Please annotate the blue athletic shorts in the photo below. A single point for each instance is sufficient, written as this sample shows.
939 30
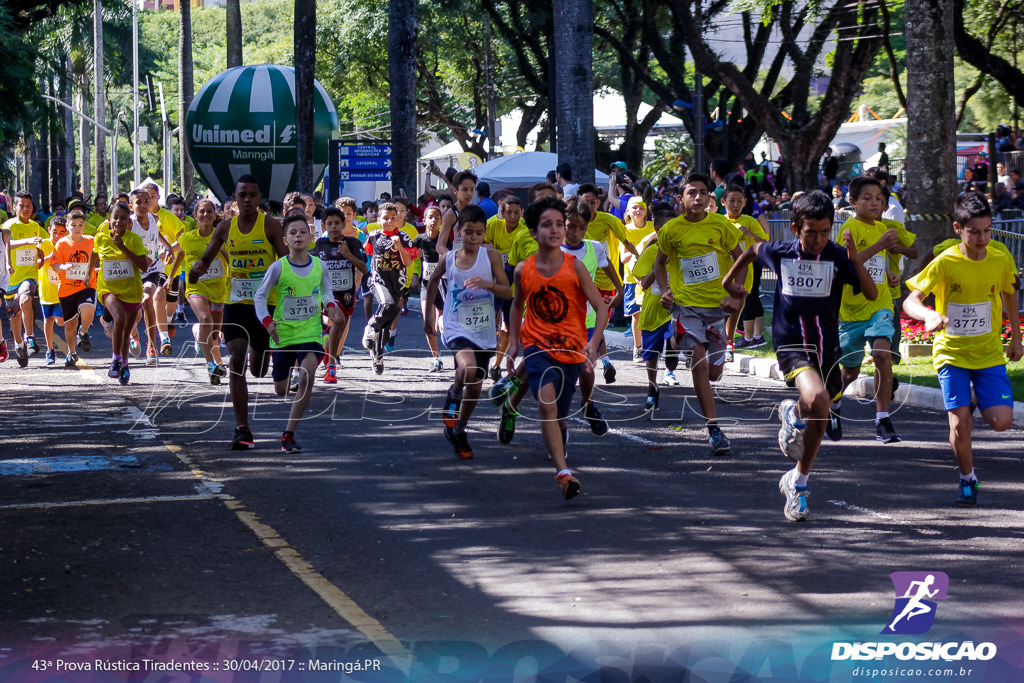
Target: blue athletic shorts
653 342
853 334
542 369
52 311
991 385
629 302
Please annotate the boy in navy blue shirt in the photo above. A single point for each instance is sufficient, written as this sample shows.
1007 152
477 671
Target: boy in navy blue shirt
811 273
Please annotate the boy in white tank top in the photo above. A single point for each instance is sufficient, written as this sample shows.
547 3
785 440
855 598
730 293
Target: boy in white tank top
475 276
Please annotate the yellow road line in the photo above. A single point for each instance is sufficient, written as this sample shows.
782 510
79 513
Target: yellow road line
334 597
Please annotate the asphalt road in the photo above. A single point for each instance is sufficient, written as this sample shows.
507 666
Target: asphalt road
131 532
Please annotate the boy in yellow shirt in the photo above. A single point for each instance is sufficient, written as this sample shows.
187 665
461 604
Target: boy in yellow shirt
862 320
23 255
694 251
973 286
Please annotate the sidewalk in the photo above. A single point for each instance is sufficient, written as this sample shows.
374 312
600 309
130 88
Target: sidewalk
928 398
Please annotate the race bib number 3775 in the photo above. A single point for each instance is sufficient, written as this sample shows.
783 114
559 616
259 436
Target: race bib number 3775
969 320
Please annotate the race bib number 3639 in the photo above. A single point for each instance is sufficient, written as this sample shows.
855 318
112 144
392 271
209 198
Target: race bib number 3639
700 269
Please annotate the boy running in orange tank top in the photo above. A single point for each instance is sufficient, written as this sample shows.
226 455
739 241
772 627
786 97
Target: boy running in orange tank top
554 289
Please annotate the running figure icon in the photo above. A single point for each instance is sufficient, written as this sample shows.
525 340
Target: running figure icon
917 594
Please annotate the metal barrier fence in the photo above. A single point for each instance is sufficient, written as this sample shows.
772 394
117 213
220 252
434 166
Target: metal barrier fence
1008 229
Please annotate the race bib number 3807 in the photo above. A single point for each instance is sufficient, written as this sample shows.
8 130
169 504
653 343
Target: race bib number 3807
806 278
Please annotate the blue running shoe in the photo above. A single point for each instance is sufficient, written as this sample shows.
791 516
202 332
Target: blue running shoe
967 496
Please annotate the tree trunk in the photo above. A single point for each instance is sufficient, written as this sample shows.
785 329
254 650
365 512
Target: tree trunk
931 131
402 77
305 65
186 90
84 136
54 164
574 87
35 170
98 106
69 137
234 31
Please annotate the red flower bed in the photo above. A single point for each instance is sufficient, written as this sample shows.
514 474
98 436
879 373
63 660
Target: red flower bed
914 332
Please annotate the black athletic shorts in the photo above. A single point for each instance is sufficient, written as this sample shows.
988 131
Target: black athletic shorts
69 304
240 322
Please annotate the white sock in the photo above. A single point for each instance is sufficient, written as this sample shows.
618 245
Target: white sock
969 477
798 478
565 471
604 359
880 416
835 406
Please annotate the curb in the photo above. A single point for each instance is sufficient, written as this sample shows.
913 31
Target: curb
928 398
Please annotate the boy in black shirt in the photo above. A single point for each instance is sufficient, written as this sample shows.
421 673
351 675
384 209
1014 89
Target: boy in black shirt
426 242
392 253
805 329
343 257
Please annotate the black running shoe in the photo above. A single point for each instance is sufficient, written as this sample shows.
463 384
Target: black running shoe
598 425
84 342
834 428
21 353
507 423
885 433
289 444
125 375
609 373
451 409
243 440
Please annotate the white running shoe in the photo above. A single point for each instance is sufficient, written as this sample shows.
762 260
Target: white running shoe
791 433
795 508
369 338
670 379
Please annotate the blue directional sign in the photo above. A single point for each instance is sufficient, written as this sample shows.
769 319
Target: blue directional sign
365 162
354 176
357 161
363 149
